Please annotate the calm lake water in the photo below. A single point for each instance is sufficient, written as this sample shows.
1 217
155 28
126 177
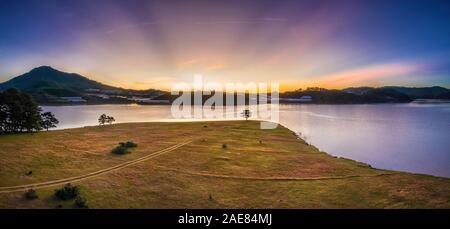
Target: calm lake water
406 137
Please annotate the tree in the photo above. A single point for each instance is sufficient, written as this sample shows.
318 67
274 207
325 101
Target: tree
102 119
48 120
18 112
67 192
110 119
3 116
246 114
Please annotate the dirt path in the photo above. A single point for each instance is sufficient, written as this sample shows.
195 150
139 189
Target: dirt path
271 178
89 175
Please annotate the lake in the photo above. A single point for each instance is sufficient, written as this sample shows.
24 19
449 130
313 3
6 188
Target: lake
406 137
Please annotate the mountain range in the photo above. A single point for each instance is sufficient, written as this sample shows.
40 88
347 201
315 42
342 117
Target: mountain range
50 86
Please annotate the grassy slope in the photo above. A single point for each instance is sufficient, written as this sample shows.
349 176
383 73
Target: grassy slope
187 177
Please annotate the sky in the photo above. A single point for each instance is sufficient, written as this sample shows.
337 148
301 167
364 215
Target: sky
152 44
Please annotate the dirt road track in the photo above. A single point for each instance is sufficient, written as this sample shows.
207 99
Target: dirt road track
89 175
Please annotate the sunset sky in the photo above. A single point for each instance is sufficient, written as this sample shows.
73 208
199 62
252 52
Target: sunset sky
152 44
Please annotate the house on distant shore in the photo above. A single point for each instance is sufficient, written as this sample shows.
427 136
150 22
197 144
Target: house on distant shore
305 98
74 99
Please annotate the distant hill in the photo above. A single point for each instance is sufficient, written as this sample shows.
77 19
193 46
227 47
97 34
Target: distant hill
421 92
413 92
355 95
45 77
48 85
324 96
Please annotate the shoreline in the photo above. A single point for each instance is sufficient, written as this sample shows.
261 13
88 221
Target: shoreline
239 120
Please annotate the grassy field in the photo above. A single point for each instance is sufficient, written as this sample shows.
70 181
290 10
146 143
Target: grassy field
229 164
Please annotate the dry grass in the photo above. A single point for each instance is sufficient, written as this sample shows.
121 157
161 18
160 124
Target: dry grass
187 176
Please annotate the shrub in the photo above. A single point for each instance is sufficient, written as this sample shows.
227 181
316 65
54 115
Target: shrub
81 202
120 150
31 194
128 144
67 192
123 147
224 146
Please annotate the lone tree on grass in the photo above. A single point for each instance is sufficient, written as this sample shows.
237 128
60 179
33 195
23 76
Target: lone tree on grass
246 114
105 119
102 119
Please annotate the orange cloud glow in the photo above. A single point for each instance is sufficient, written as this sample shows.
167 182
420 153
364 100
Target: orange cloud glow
364 75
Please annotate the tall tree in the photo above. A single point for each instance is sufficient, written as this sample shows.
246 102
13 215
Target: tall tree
18 112
3 116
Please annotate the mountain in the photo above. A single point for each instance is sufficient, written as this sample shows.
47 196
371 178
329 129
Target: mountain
47 77
364 95
388 94
421 92
413 92
357 90
48 85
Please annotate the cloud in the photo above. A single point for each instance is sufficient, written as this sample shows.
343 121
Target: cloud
130 26
186 63
161 82
366 74
273 19
227 22
245 21
216 67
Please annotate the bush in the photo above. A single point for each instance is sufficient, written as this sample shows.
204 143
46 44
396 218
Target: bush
67 192
224 146
31 194
123 147
128 144
120 150
81 202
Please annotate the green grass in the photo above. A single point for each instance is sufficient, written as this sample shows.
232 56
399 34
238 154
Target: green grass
237 176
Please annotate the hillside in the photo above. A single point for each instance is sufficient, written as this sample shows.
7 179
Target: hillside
362 95
413 92
48 85
228 164
324 96
45 77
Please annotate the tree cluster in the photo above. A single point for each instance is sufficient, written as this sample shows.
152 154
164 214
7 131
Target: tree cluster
20 113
